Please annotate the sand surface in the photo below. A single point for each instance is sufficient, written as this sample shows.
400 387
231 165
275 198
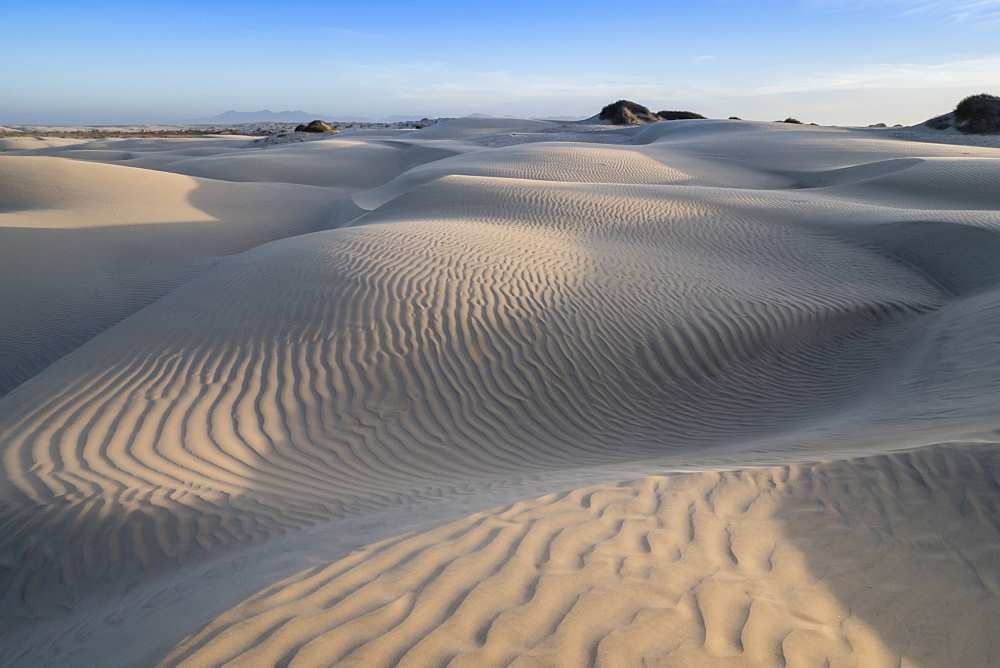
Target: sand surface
501 391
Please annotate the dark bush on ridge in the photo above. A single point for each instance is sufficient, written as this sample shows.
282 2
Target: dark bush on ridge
316 126
792 120
677 115
975 115
942 122
626 112
978 114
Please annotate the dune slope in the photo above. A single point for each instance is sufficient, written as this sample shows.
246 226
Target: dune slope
498 325
84 245
772 566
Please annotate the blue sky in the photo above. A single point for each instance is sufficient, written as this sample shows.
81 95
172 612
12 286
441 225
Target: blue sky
825 61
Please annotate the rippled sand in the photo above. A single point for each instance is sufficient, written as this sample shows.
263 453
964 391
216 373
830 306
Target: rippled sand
696 393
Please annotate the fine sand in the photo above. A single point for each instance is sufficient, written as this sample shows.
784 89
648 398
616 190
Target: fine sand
501 391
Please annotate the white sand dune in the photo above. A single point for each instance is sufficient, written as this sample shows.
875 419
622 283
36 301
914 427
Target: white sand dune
471 126
572 163
495 325
85 245
754 567
37 143
71 147
346 165
928 183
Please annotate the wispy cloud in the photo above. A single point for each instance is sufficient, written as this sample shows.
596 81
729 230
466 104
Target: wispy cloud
958 11
957 74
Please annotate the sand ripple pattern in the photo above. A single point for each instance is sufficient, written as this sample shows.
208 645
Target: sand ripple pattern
84 246
584 325
732 568
517 314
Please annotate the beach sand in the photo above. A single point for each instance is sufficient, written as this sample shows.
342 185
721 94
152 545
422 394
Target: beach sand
501 391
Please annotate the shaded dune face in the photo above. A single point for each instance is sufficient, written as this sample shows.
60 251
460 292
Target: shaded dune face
575 163
85 245
496 320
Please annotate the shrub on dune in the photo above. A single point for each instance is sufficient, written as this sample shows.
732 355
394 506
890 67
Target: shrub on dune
978 114
626 112
316 126
975 115
942 122
677 115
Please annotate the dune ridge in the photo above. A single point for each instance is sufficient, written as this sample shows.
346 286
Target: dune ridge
508 321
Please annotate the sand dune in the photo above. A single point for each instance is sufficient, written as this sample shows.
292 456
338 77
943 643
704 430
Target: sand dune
501 322
774 566
463 128
346 165
36 143
84 245
930 183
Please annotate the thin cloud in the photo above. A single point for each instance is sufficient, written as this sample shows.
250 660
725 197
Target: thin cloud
957 11
975 73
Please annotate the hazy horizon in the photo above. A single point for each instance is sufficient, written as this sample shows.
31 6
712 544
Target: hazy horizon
847 62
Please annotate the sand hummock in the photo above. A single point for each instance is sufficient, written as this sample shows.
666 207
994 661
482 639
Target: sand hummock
501 392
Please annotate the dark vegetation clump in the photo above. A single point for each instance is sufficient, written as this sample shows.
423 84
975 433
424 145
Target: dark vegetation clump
626 112
735 118
975 115
678 115
315 126
978 115
792 120
942 122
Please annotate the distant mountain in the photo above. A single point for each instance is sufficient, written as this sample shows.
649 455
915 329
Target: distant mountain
268 116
